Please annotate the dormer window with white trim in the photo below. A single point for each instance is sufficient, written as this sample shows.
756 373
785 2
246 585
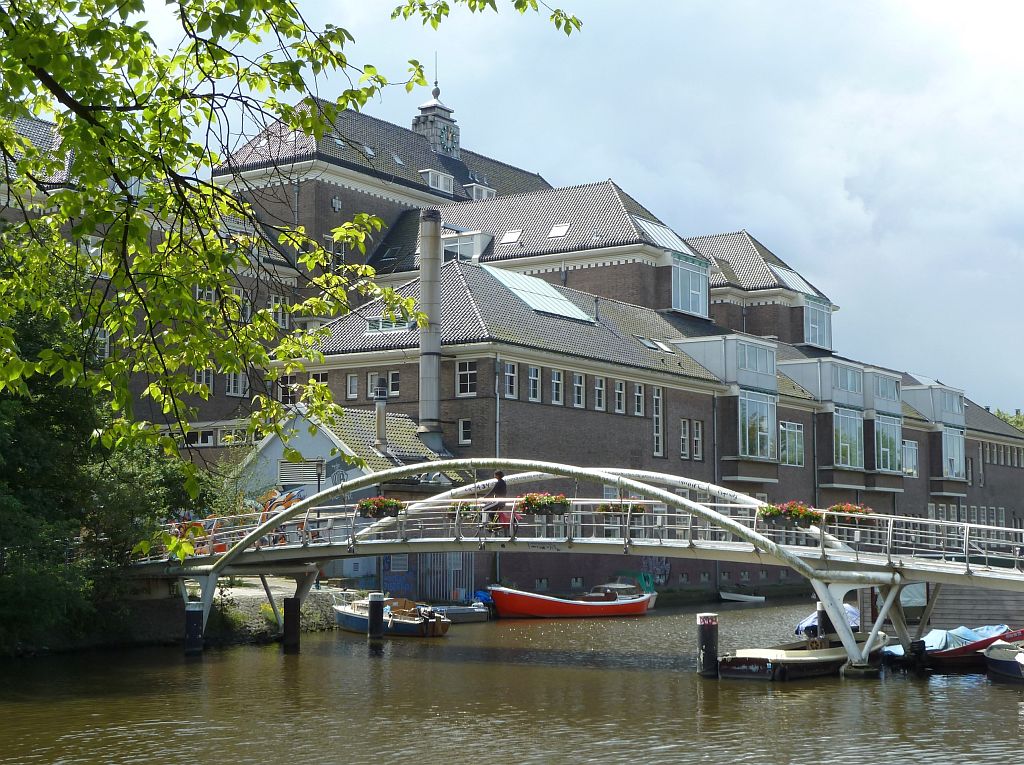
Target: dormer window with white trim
437 180
385 324
690 284
952 402
478 192
459 247
847 378
755 358
887 388
818 323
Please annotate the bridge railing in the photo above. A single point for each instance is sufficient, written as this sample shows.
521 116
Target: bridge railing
629 521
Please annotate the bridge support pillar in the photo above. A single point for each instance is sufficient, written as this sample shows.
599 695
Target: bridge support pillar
707 645
290 641
193 629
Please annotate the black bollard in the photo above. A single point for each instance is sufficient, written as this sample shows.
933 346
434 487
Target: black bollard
290 640
375 624
193 629
707 645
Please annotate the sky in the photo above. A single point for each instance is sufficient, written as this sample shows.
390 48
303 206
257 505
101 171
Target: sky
875 147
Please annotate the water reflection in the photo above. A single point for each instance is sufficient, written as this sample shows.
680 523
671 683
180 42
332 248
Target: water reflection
506 692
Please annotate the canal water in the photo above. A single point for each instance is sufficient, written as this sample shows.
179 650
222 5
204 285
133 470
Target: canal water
602 691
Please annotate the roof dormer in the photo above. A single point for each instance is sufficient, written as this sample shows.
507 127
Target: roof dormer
438 180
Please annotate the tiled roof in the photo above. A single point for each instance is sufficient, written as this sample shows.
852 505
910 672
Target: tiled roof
597 215
358 430
382 149
477 307
980 419
743 262
910 413
43 136
789 387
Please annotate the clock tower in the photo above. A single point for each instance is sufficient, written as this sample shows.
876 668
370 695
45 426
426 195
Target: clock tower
435 122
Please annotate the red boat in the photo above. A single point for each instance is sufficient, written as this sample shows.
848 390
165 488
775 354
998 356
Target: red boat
517 604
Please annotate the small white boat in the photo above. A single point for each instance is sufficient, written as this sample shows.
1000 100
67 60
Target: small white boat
474 612
401 618
740 597
795 661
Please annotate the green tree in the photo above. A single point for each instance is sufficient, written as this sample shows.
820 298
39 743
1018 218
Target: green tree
138 130
1017 420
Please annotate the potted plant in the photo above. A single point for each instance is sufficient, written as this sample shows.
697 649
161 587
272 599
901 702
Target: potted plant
378 507
791 513
620 508
543 503
854 513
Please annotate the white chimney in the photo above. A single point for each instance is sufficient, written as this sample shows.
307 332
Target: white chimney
430 336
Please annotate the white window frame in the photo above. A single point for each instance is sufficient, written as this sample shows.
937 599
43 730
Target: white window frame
103 346
689 285
848 438
287 390
620 397
236 384
533 383
465 426
638 399
579 390
791 444
599 391
888 457
755 358
953 453
278 310
201 438
684 439
394 383
465 379
557 386
244 304
658 420
204 377
697 430
459 247
757 414
887 388
847 378
439 181
818 323
351 386
511 379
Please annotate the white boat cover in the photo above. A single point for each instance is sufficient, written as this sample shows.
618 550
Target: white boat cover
943 640
852 618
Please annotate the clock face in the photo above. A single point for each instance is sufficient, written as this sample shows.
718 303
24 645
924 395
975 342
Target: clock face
447 138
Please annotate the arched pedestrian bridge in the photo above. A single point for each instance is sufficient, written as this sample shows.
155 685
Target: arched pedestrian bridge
838 553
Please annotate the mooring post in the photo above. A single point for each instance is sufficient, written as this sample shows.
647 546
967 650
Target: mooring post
824 623
375 623
707 645
193 628
291 625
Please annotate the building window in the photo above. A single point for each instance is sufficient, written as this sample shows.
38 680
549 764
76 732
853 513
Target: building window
576 583
818 323
459 247
384 324
848 437
556 386
103 346
205 294
352 386
952 402
847 378
755 358
910 459
244 304
279 310
620 397
375 383
658 421
698 439
888 443
465 432
540 584
199 438
599 394
465 378
400 563
204 377
638 399
953 453
232 436
988 453
579 393
887 388
757 425
236 384
440 181
684 439
287 389
689 285
533 376
394 378
511 380
791 444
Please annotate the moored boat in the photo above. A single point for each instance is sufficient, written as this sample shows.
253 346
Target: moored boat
461 614
603 600
1005 661
794 661
956 650
740 597
401 618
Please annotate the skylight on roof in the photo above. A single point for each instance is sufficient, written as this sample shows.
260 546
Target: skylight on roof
662 236
793 280
398 160
558 230
511 237
538 294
